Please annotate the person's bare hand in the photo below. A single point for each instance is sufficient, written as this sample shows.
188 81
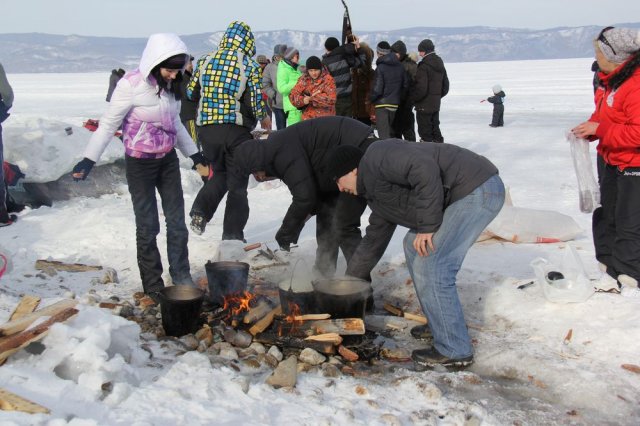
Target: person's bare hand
423 243
586 129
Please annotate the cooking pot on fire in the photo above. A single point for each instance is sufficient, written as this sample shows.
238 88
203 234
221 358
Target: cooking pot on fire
344 297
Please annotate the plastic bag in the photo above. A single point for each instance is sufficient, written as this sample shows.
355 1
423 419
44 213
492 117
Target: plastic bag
521 225
589 192
565 284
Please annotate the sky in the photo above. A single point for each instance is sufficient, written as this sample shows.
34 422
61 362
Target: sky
139 18
537 362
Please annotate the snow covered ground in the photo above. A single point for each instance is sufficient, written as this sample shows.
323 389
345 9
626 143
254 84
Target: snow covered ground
526 370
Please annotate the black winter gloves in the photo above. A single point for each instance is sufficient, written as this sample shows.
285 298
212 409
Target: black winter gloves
198 158
82 169
283 241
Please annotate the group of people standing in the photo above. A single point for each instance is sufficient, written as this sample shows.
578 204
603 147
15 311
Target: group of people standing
328 155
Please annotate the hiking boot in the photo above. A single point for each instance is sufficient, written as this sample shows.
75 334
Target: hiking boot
198 223
155 296
431 358
8 220
422 332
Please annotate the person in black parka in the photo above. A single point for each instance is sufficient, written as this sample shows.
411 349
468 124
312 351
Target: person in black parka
404 123
498 106
389 87
114 78
297 155
430 86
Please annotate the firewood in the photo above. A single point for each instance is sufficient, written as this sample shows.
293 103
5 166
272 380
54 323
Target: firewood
311 317
22 323
631 367
333 338
271 338
18 341
259 311
341 326
68 267
26 305
252 246
269 265
399 312
12 402
347 354
265 321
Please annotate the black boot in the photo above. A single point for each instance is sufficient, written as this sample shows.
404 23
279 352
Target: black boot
430 358
422 332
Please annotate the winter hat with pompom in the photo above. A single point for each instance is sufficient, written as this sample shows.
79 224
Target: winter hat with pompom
618 44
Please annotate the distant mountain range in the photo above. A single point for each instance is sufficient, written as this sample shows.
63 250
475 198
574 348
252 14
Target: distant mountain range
37 52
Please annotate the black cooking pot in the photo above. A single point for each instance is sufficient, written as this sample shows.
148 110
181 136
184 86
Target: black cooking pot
342 297
225 278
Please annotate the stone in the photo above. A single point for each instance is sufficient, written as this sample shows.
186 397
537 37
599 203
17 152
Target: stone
330 370
110 276
258 347
275 352
190 342
312 357
242 339
285 375
271 360
228 353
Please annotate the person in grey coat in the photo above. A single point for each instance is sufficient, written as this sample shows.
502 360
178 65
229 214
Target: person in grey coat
270 88
446 195
6 101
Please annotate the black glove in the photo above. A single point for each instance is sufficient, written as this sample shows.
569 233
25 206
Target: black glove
283 241
82 169
198 158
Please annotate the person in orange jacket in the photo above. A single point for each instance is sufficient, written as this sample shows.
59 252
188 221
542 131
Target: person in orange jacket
315 91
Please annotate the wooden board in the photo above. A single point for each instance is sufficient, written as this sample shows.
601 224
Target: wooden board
12 402
25 321
26 305
68 267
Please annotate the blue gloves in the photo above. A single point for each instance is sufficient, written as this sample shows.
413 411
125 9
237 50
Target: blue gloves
82 169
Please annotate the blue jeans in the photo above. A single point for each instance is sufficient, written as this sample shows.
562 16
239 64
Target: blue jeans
434 276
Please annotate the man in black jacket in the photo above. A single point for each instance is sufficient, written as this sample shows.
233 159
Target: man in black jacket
297 155
446 196
404 123
389 87
430 86
340 60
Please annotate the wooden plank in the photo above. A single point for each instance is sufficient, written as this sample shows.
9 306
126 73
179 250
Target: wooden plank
26 305
311 317
12 402
14 343
22 323
259 311
399 312
265 321
333 338
68 267
341 326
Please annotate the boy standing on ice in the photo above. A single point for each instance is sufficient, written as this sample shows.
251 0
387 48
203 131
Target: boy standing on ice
446 196
498 106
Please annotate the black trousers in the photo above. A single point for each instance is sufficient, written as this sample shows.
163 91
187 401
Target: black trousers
429 126
218 143
144 177
344 107
616 225
497 119
384 122
337 227
404 123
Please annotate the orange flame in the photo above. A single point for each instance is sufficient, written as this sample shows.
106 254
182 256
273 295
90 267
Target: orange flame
237 303
294 311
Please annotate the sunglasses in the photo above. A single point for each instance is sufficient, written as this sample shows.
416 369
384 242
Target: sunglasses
603 39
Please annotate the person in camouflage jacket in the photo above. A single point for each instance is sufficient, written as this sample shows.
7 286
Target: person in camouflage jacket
315 91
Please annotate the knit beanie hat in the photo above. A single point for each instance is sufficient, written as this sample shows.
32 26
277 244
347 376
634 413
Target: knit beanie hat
290 52
279 49
383 48
496 89
400 48
331 43
262 59
618 44
314 63
175 62
426 46
342 160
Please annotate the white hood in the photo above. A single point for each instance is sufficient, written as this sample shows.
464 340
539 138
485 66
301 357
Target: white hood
160 47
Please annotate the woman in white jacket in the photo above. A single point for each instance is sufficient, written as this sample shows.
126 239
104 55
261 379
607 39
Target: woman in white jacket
147 104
